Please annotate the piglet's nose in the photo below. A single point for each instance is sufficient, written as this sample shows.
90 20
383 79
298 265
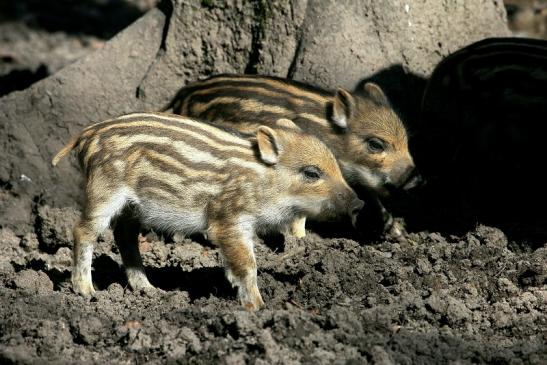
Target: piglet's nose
413 180
354 209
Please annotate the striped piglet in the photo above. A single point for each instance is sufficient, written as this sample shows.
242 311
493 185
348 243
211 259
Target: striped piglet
176 174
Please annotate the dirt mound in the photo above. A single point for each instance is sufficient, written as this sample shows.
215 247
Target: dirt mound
430 299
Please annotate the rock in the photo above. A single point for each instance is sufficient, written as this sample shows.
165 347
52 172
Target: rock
140 342
53 334
423 266
18 354
15 207
501 316
12 254
435 303
115 290
454 309
366 38
322 357
235 358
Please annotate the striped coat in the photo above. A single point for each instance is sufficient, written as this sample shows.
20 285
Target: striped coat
363 131
177 174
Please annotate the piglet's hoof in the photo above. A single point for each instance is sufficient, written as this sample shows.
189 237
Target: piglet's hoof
83 287
252 303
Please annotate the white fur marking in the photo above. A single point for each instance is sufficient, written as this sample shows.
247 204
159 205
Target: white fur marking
217 131
114 206
361 174
341 121
169 219
246 225
191 153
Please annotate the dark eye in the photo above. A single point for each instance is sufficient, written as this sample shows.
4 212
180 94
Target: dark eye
375 145
311 173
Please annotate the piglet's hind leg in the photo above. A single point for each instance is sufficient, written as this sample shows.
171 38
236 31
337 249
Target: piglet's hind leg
126 235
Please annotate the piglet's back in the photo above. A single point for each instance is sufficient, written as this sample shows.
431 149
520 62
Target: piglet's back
171 143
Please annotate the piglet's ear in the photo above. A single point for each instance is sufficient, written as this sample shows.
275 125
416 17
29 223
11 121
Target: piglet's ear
268 145
342 108
375 92
287 123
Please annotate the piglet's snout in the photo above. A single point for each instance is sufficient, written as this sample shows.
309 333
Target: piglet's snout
413 179
354 209
351 203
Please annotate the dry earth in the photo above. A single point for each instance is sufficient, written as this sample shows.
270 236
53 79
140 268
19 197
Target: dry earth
478 298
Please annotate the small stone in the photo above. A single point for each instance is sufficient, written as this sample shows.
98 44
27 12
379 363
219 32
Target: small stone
89 330
235 358
141 341
62 260
178 298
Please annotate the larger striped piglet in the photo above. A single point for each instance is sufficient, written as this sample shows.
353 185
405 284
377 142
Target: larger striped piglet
176 174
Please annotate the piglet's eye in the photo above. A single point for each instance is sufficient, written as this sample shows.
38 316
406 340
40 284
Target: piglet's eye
311 173
375 145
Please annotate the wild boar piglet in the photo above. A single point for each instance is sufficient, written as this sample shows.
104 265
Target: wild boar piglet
176 174
361 128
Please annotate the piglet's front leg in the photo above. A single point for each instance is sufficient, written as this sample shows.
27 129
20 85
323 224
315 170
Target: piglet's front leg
236 240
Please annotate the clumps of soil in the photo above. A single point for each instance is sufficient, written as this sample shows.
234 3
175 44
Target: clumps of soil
54 227
424 299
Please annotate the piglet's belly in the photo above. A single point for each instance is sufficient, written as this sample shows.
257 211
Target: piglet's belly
167 218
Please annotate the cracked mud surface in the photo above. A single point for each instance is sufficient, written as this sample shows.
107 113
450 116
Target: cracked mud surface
426 299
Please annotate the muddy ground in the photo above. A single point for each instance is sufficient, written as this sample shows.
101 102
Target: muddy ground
478 298
475 297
